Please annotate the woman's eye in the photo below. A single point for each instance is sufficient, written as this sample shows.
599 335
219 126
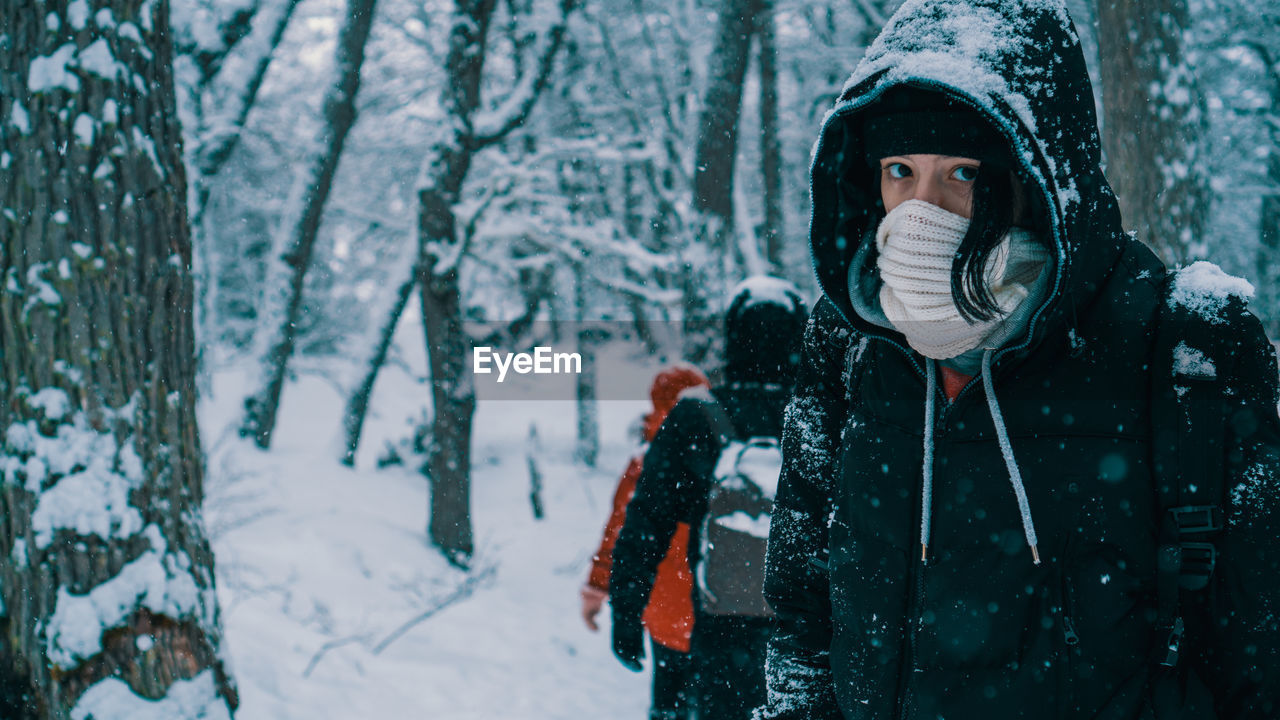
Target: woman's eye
965 173
897 170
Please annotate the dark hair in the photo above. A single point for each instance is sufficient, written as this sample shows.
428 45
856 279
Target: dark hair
991 217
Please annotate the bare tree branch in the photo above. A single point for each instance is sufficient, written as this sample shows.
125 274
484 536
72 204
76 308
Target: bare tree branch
463 591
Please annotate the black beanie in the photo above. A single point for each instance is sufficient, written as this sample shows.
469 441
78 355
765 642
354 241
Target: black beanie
764 325
909 121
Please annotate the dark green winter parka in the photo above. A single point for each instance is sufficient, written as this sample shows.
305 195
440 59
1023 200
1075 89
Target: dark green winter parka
870 631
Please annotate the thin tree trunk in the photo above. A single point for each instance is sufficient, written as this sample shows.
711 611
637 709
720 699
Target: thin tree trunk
358 404
588 440
211 151
106 576
442 249
722 103
706 270
531 452
262 407
770 146
1269 237
454 403
448 347
1269 213
1149 92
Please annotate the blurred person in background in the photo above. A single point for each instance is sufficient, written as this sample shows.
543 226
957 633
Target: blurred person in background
668 615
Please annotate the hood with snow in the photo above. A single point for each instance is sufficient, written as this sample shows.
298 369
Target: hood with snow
1017 62
763 327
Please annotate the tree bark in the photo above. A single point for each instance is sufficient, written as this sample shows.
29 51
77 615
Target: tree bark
106 576
285 298
442 248
770 145
706 262
1149 92
448 347
721 106
1268 261
1269 237
587 449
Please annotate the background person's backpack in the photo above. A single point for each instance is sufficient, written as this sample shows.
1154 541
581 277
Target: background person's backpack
735 530
1193 363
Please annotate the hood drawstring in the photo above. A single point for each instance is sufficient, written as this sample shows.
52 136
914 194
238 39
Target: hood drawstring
1015 475
1006 450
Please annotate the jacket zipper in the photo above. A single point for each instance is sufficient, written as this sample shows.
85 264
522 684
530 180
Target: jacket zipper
915 609
1070 638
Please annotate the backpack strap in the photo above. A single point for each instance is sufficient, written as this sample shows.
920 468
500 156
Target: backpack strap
1188 413
721 425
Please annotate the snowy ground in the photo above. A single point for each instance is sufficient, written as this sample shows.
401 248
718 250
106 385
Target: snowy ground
318 565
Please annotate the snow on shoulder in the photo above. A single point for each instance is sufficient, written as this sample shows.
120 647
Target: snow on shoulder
765 289
1204 289
1190 362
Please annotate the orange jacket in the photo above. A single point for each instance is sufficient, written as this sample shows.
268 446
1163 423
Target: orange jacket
669 614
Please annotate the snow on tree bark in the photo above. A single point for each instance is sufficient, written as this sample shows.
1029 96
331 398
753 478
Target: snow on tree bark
770 145
285 288
587 448
467 130
106 574
1149 92
713 186
212 140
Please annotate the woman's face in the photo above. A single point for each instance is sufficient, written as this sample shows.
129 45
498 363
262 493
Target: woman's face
942 180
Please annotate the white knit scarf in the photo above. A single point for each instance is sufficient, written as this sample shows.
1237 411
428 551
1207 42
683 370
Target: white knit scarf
917 244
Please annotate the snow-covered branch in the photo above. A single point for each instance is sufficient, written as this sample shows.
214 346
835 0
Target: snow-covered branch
448 256
224 133
491 127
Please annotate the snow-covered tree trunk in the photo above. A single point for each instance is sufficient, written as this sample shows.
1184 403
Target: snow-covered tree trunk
587 449
1154 124
106 575
212 140
288 279
770 145
707 262
358 403
448 346
721 106
442 247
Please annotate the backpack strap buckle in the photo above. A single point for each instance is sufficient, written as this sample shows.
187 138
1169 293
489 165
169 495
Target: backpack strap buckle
1198 561
1194 519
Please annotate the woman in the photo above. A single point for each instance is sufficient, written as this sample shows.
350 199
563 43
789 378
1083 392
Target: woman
974 518
668 615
